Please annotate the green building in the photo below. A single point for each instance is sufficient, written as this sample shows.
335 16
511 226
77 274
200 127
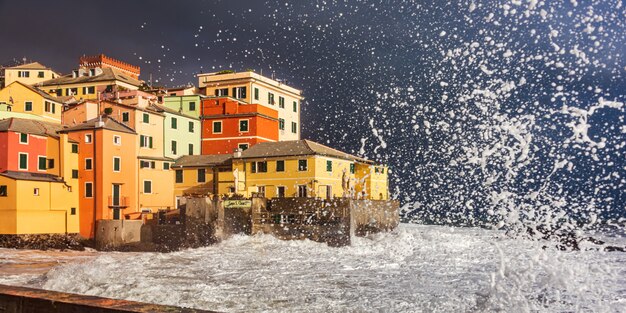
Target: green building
188 105
182 133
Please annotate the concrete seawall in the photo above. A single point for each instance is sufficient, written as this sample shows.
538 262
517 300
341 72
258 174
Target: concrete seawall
29 300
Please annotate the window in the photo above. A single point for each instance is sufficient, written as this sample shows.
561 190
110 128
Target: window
74 148
23 74
117 164
147 164
280 165
217 127
47 106
117 140
191 127
239 92
36 191
73 211
147 186
50 163
223 92
41 165
295 106
179 176
28 106
281 102
3 190
243 146
92 72
59 92
71 91
88 164
88 190
74 174
281 123
201 175
174 150
256 93
259 167
190 149
23 161
329 165
303 165
174 123
87 138
280 191
40 74
166 165
192 105
270 98
352 168
145 141
125 117
261 190
243 126
294 127
231 189
146 118
23 138
302 191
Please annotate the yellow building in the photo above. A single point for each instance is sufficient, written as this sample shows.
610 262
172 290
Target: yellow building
22 98
29 73
303 168
202 175
298 168
38 189
251 87
88 83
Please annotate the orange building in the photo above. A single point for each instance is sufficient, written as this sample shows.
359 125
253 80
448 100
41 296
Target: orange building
107 171
228 124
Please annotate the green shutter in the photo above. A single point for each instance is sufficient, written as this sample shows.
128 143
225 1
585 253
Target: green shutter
42 163
329 166
150 142
295 106
179 176
74 148
23 161
352 168
174 123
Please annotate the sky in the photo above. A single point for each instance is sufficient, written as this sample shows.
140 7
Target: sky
438 90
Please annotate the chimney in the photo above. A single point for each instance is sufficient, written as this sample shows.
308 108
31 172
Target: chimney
99 123
237 153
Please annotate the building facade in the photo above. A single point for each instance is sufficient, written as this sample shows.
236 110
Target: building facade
251 88
28 73
22 98
229 124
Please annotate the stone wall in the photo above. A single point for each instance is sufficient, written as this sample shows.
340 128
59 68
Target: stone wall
112 234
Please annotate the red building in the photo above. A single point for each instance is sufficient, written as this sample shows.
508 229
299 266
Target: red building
228 124
23 145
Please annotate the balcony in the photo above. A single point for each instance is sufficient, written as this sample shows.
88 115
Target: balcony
118 203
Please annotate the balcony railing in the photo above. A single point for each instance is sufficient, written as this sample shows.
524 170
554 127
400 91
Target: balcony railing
119 203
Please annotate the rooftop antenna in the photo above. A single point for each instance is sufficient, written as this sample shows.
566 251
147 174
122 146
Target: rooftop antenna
24 60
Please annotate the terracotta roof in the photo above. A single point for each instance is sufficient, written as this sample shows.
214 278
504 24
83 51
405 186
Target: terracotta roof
296 148
32 176
108 74
39 92
201 189
30 126
30 66
109 123
203 160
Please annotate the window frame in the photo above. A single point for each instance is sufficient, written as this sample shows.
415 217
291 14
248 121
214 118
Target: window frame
282 169
117 140
45 163
145 118
173 123
203 176
19 161
74 145
192 127
4 190
28 104
329 166
119 164
247 121
143 188
88 138
306 165
192 105
90 168
213 127
182 176
125 117
243 144
88 191
27 138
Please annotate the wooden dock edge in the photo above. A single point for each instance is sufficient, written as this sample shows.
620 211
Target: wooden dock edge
26 300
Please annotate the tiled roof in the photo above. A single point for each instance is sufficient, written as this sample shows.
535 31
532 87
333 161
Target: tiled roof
296 148
39 92
108 74
30 66
203 160
108 123
30 126
32 176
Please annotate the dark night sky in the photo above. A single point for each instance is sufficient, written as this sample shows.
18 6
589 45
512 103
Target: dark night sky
388 77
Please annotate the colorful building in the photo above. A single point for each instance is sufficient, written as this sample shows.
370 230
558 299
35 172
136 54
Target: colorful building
188 104
28 73
251 87
107 170
181 133
38 191
96 75
203 175
229 124
22 98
